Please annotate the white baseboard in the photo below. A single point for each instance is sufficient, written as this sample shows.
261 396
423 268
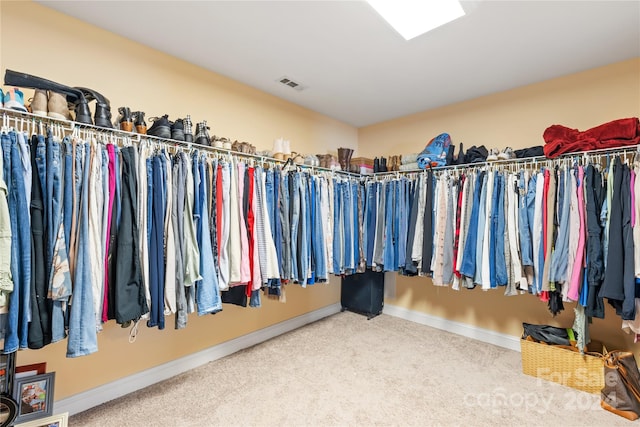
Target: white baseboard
503 340
96 396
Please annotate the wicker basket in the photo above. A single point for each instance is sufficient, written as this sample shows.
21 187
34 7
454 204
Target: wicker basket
566 367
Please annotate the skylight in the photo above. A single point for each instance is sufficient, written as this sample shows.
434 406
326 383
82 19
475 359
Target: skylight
412 18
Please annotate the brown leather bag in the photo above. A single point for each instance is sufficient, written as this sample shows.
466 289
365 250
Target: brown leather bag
621 392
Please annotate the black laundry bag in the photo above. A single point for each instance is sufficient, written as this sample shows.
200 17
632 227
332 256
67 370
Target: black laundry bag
549 334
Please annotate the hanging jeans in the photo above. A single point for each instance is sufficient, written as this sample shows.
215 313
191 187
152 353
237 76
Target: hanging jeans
390 211
83 338
18 316
337 220
468 266
207 291
502 277
370 221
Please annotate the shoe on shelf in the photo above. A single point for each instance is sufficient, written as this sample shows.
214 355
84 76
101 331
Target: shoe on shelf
188 129
236 146
38 104
161 127
57 106
202 134
102 114
506 154
14 100
177 130
139 123
126 119
493 155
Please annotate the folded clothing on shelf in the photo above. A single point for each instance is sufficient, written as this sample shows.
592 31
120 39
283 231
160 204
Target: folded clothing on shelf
617 133
409 166
529 152
409 158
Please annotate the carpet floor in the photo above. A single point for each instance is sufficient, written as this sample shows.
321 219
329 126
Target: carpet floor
347 370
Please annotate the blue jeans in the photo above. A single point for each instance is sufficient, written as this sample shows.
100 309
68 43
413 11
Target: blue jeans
526 207
68 190
337 218
83 338
304 230
559 259
355 196
468 265
54 193
371 210
294 186
56 211
19 305
502 278
347 226
482 218
387 256
208 289
493 227
269 196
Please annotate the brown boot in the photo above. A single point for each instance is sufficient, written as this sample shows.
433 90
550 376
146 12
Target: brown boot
343 158
126 119
139 123
349 154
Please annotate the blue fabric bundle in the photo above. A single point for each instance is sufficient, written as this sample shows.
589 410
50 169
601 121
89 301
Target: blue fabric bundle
435 152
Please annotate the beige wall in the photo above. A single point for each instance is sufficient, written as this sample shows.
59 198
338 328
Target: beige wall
515 118
40 41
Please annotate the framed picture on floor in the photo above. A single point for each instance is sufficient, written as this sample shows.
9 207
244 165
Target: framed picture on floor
60 420
34 395
29 370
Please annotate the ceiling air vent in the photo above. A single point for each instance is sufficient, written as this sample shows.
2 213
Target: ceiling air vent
292 84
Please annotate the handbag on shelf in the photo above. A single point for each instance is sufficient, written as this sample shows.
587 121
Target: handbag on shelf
621 392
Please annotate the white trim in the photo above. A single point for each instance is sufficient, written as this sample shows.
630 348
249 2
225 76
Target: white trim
101 394
486 335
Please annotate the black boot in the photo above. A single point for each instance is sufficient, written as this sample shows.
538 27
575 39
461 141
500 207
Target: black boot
126 120
376 165
449 157
461 160
102 115
383 164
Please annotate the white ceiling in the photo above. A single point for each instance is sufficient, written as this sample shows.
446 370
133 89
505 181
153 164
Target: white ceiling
356 67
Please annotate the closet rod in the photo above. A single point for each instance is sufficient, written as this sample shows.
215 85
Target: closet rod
567 156
8 113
